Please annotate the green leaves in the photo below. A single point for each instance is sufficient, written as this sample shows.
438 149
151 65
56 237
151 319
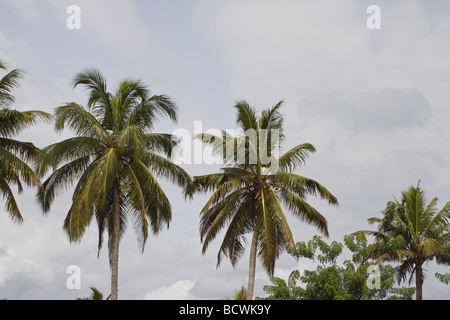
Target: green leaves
15 154
308 250
282 290
9 82
411 225
411 232
13 122
113 152
334 280
250 195
295 157
444 278
79 120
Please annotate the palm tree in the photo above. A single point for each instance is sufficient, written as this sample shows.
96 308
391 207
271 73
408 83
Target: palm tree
240 294
251 188
114 156
412 232
95 295
15 154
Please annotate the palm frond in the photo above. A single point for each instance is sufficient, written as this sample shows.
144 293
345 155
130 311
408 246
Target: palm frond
79 120
163 106
13 122
303 186
439 222
284 228
271 118
267 235
246 116
9 82
66 151
63 177
134 191
234 239
11 206
17 166
159 210
166 168
25 150
295 157
304 211
161 142
215 217
205 183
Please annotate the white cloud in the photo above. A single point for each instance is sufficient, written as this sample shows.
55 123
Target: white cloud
23 262
179 290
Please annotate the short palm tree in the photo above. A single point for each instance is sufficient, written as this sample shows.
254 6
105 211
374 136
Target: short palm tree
240 294
15 154
95 295
114 157
412 232
251 188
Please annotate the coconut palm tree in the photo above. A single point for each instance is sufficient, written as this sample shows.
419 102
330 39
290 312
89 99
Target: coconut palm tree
251 189
240 294
115 160
95 295
412 232
15 154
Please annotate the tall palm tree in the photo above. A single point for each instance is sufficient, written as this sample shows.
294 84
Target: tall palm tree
412 232
15 154
251 188
114 157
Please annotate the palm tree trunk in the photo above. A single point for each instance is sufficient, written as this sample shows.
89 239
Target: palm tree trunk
419 282
252 266
115 237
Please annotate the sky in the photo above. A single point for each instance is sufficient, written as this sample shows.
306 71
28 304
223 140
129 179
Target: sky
373 102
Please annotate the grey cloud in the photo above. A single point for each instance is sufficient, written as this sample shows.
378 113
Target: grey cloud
371 144
383 110
3 250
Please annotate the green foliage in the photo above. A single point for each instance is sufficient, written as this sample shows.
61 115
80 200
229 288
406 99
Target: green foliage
411 232
444 278
9 82
284 290
113 150
249 195
402 293
114 160
329 252
240 294
330 281
95 295
14 154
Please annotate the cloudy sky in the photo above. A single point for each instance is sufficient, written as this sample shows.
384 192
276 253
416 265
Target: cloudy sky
374 103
